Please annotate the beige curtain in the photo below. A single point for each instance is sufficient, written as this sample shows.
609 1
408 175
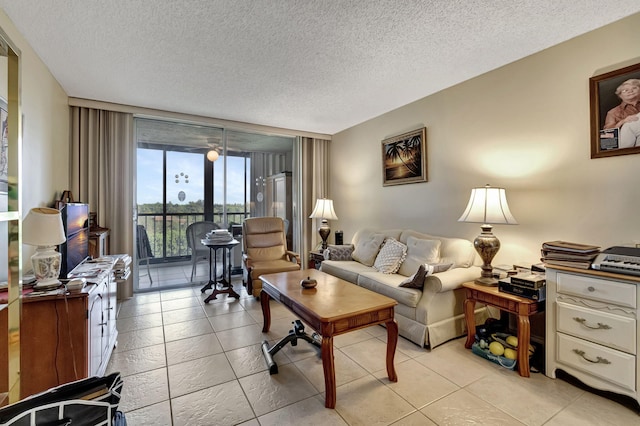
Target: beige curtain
314 185
102 155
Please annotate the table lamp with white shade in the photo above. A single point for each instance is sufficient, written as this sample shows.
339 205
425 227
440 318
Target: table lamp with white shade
43 228
487 206
324 210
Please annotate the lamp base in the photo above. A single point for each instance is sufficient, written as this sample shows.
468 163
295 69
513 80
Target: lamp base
489 282
324 232
46 267
47 284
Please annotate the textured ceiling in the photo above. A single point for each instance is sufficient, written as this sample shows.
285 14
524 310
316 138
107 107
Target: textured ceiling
317 66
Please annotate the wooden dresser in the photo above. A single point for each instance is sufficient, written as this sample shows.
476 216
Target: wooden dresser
592 328
68 337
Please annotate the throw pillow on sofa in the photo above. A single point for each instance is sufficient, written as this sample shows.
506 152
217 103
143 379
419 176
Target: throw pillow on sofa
338 252
366 249
390 256
419 251
417 280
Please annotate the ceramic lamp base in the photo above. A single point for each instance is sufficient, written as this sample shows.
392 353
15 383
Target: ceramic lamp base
46 267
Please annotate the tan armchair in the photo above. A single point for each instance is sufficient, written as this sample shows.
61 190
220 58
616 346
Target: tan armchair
264 248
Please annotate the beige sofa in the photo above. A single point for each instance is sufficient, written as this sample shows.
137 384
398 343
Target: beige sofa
429 316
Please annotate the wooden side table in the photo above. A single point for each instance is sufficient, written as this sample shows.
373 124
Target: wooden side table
511 303
315 259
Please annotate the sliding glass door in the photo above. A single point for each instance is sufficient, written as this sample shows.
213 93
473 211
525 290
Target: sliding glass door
188 173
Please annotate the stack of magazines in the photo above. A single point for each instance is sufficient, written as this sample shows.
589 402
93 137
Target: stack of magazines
574 255
218 236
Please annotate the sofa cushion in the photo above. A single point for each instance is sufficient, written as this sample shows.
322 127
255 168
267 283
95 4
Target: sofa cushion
417 280
338 252
366 249
347 270
458 251
390 256
419 252
389 285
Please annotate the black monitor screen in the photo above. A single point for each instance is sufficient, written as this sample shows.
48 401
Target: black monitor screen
75 218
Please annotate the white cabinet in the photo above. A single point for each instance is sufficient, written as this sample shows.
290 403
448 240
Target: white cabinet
592 329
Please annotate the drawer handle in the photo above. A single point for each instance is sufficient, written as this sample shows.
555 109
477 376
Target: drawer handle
600 326
591 289
599 360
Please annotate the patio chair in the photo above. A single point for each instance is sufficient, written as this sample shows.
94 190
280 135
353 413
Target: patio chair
196 232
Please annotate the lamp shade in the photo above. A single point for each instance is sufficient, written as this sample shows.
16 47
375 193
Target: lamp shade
488 205
324 210
43 227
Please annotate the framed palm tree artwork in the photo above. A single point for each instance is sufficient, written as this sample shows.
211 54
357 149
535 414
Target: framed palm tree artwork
404 158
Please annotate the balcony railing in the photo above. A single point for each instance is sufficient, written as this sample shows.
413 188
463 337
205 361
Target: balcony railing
176 247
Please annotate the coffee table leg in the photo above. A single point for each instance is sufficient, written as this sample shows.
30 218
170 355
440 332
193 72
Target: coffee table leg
329 372
470 318
524 333
266 312
392 342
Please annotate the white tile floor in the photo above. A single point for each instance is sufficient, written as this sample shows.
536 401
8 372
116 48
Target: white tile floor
187 363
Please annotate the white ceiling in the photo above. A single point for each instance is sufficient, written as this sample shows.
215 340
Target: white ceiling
317 66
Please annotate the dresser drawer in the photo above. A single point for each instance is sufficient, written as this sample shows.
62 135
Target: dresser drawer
597 289
600 327
607 364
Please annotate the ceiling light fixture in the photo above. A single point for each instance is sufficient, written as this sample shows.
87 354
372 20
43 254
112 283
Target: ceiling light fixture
212 155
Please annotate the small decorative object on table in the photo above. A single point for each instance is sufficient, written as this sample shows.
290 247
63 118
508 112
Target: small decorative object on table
76 284
308 282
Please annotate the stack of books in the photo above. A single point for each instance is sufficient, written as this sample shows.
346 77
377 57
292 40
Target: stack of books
574 255
121 269
529 285
218 236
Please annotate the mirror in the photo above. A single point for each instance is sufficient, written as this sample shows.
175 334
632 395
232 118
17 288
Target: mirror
10 240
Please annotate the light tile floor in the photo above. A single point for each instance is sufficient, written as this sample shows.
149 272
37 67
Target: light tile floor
187 363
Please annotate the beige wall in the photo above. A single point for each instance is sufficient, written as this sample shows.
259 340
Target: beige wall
45 133
524 127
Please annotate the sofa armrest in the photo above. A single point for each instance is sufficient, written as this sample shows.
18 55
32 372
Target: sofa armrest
451 279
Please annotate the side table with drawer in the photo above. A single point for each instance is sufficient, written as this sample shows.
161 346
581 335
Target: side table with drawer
592 328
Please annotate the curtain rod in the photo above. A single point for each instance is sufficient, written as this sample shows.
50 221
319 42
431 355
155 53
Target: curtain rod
156 113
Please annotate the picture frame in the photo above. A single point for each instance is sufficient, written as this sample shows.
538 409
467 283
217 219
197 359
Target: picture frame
609 139
404 158
4 147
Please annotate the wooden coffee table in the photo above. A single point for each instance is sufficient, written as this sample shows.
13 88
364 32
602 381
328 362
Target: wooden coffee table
333 307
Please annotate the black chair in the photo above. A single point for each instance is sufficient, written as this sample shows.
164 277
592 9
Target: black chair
144 248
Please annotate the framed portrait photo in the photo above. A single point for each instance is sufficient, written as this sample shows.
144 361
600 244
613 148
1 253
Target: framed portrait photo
404 158
615 112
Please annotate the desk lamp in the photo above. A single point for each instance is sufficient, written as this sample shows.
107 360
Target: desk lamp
43 228
324 210
487 206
